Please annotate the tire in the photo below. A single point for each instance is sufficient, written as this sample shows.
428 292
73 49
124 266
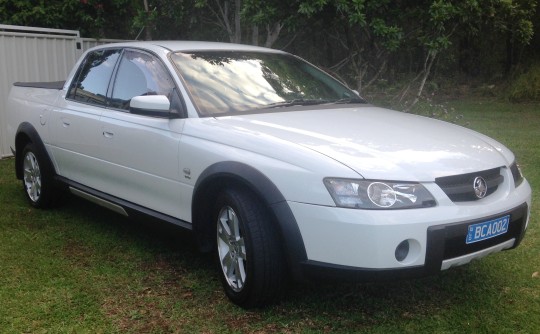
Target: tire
248 254
38 178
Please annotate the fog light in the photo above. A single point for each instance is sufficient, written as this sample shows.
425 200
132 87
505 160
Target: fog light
402 250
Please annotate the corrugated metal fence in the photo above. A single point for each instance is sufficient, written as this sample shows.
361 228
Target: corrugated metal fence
36 54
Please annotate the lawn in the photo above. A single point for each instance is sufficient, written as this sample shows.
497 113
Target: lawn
83 269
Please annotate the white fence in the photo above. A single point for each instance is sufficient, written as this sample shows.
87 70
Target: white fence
36 54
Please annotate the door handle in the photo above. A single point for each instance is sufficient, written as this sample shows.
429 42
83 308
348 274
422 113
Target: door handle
108 134
65 123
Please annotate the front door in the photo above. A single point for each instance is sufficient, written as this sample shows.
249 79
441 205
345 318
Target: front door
141 152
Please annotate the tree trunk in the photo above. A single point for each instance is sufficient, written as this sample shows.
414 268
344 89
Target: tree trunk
237 23
272 34
509 56
381 69
254 35
147 28
430 59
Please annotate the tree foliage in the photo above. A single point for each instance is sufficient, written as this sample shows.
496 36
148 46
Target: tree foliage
96 18
364 42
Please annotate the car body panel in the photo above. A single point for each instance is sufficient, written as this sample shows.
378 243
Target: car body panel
376 144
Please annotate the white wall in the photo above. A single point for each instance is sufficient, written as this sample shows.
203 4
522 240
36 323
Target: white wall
35 54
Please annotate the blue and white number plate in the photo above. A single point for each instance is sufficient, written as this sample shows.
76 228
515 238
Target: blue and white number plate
487 230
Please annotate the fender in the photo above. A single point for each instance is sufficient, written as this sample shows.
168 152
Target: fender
226 173
27 133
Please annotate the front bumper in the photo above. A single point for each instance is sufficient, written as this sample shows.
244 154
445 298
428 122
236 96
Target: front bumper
362 243
446 248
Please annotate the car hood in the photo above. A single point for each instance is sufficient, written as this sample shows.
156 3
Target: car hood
381 144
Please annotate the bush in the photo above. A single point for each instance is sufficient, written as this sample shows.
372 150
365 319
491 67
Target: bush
526 87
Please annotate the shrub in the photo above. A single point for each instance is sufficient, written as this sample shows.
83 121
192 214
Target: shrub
526 87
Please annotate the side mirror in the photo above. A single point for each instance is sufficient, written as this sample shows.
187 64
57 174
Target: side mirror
150 105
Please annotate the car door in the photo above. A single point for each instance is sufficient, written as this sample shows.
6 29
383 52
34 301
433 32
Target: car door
140 152
75 122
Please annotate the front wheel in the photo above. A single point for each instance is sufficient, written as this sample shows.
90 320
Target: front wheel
249 256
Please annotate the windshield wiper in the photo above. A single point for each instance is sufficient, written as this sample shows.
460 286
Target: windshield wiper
296 102
311 102
351 100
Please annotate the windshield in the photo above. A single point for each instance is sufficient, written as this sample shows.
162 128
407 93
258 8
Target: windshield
229 82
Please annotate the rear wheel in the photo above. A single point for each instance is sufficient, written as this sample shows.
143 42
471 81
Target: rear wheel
37 178
249 256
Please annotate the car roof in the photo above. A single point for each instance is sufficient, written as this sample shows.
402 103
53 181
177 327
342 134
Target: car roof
185 46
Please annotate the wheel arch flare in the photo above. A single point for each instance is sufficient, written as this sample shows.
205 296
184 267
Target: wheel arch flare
235 174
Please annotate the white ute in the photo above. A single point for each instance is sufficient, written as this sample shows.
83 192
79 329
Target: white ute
278 168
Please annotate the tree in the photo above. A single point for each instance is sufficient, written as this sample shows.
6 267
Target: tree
438 25
226 14
366 30
273 17
363 42
242 20
371 32
93 18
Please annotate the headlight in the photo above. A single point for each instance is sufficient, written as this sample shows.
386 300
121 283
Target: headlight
366 194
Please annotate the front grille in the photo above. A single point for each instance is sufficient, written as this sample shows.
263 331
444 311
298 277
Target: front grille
459 188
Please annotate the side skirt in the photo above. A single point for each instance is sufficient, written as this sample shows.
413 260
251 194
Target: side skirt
119 205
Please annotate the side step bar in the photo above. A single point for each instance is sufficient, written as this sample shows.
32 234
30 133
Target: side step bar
99 201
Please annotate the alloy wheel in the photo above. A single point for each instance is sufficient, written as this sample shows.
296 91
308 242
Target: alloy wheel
231 248
32 176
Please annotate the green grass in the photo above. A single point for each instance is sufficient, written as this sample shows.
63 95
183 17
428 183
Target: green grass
83 269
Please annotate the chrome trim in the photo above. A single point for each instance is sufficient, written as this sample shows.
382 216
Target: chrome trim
464 259
99 201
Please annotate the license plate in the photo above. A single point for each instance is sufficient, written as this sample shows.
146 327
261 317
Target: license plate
487 230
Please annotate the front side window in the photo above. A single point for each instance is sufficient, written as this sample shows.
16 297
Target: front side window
228 82
142 74
93 78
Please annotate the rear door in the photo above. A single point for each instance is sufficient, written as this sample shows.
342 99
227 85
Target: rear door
75 122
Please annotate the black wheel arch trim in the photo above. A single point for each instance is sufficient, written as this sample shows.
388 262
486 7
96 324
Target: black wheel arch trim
224 173
28 130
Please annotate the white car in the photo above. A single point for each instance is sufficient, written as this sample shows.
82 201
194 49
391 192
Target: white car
277 167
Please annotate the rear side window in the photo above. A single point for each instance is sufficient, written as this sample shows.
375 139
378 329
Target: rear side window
92 79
